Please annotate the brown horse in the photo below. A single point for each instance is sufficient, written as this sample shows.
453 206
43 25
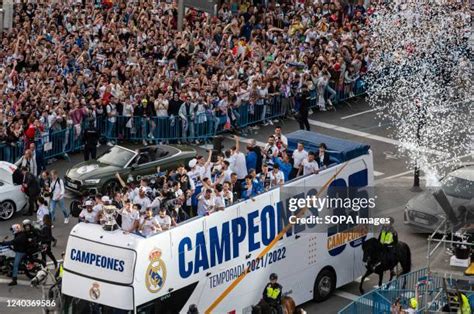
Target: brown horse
288 306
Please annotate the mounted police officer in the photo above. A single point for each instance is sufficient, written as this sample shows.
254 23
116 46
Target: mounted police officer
388 237
272 293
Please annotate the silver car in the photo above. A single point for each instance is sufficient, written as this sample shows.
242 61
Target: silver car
12 199
423 211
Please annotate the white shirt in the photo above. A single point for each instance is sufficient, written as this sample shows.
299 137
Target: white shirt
42 210
227 175
298 157
143 202
220 203
148 226
205 205
240 166
112 110
128 219
57 187
165 222
309 167
276 178
90 217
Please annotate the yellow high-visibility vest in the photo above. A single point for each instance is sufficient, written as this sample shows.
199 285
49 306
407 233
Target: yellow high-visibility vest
61 270
386 237
465 307
273 293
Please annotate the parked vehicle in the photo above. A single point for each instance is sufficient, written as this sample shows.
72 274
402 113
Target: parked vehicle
99 176
423 212
12 199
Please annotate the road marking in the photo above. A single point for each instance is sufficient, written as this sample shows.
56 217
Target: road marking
357 114
411 171
353 132
246 141
207 146
378 174
346 295
373 137
20 282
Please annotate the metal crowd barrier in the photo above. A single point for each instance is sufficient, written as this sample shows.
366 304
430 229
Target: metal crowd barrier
197 127
380 300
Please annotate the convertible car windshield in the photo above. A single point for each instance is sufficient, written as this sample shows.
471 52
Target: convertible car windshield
116 156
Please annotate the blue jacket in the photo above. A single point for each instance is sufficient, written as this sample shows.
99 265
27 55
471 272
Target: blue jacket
284 167
246 193
251 160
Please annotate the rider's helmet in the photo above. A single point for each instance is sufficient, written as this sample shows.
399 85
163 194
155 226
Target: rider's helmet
273 276
16 228
27 224
391 220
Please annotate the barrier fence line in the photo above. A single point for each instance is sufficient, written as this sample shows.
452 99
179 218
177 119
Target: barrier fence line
270 246
199 126
380 300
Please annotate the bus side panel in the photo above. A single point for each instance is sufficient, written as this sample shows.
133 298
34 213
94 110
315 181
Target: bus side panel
212 252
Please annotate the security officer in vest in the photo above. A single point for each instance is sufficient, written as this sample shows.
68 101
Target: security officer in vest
272 293
388 237
465 306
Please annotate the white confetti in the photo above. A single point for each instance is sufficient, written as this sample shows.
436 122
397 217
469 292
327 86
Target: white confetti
420 79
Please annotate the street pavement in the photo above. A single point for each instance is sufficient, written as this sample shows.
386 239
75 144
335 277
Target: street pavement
355 122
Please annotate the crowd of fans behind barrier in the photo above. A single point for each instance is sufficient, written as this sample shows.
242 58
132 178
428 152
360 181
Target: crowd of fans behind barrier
126 63
66 60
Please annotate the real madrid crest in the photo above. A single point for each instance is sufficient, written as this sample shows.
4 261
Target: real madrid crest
94 291
155 276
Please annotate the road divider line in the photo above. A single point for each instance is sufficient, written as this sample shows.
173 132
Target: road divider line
374 137
357 114
401 174
19 282
246 141
346 295
378 174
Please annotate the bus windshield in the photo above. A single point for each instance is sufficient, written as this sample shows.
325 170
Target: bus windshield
74 305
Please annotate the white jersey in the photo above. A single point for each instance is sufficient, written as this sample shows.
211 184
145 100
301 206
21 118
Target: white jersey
165 222
129 218
148 226
309 167
40 213
90 217
277 178
298 157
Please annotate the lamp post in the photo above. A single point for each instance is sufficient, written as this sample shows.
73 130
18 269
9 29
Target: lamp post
419 123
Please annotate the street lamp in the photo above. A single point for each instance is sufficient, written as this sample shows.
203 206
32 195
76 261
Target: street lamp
419 124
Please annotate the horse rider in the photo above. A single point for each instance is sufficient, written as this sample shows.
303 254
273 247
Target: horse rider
388 237
272 293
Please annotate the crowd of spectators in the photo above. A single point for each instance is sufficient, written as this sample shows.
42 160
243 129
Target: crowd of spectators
66 60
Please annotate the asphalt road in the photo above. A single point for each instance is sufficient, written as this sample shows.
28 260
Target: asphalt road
356 122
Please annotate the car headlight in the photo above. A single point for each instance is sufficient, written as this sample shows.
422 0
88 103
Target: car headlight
92 181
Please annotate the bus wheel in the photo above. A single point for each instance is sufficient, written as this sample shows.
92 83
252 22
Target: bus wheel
324 285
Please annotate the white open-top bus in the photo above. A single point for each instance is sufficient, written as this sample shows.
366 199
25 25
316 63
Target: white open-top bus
222 262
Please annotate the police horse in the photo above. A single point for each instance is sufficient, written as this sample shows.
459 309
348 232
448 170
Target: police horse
377 260
288 306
